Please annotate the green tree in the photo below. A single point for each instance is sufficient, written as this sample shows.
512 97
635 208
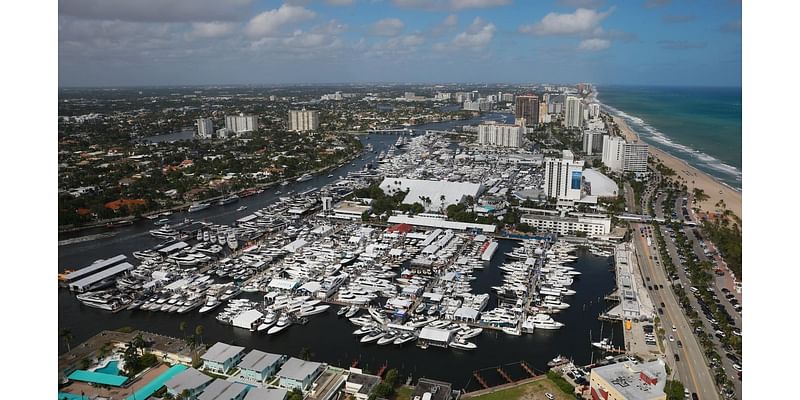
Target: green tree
66 334
305 354
674 390
198 330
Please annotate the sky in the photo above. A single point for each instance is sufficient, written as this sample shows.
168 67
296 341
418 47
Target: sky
216 42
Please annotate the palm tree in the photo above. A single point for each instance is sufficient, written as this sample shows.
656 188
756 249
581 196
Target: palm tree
66 334
182 327
139 343
198 330
305 354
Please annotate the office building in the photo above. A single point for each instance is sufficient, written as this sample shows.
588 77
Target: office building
502 135
634 158
573 112
235 124
629 381
527 109
612 152
507 97
593 142
304 120
563 177
205 128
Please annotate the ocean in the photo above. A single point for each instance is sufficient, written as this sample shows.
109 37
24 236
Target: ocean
700 125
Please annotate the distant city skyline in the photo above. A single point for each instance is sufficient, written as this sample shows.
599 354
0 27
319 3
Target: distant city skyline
250 42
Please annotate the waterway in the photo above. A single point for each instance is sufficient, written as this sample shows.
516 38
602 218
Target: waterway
330 338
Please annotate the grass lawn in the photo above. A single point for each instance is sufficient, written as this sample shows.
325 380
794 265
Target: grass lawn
528 391
403 393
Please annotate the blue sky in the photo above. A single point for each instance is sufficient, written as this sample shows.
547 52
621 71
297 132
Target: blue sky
200 42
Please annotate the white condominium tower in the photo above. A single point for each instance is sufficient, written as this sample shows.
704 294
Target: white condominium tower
573 112
205 128
612 152
503 135
241 123
563 177
620 156
303 120
634 158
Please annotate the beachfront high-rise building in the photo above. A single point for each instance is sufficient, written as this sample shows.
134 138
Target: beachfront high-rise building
594 110
205 128
235 124
612 152
634 158
592 142
563 177
303 120
503 135
573 112
527 109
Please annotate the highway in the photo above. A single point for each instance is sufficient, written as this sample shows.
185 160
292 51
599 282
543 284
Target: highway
691 368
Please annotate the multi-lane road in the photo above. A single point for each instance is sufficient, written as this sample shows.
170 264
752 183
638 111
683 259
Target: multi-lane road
692 368
695 373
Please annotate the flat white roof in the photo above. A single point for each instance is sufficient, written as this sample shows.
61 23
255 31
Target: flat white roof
439 223
453 192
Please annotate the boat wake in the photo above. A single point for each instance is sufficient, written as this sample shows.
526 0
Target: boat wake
650 133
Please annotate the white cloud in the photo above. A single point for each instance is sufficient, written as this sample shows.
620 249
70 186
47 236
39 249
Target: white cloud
387 27
332 27
455 5
477 36
340 2
448 24
581 21
594 44
211 29
270 22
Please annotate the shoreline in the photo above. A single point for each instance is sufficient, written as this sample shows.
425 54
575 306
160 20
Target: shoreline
695 178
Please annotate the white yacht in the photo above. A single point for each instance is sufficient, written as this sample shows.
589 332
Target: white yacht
197 206
462 344
283 323
544 321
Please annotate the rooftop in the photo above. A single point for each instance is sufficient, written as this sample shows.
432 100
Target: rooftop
258 360
189 379
453 192
635 381
220 352
222 390
259 393
298 369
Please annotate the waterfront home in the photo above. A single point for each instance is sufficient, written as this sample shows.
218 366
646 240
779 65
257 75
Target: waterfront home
221 357
223 390
191 380
259 393
360 385
258 366
297 373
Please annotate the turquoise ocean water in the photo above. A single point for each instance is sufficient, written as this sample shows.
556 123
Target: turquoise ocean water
700 125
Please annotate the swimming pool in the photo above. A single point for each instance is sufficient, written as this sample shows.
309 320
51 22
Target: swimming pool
112 367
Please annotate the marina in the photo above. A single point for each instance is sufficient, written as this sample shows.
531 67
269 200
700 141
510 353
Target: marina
295 267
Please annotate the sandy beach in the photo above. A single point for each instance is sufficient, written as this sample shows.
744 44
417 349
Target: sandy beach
695 178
